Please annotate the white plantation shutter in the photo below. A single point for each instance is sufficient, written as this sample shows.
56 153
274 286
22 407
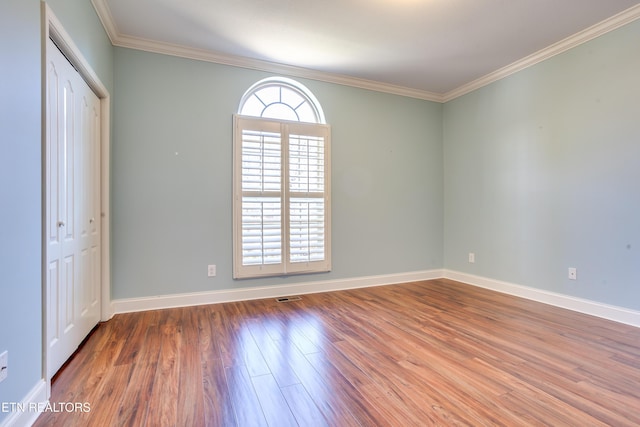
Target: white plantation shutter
306 230
281 197
261 230
306 202
261 197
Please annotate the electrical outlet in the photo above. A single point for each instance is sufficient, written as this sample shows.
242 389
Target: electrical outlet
211 270
472 257
4 365
573 273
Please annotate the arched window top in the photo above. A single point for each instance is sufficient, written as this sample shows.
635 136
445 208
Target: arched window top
283 99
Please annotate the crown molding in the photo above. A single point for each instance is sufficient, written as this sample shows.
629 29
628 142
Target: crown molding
106 18
153 46
272 67
122 40
603 27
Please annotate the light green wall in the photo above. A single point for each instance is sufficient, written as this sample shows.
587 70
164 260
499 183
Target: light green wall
172 212
542 173
21 175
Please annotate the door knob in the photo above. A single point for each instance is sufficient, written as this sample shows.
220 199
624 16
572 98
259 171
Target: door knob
60 224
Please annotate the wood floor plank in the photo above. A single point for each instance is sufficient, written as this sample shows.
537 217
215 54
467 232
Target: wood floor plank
165 385
423 353
245 401
385 386
274 405
275 354
581 397
303 407
108 397
190 398
218 409
323 387
348 398
139 387
243 350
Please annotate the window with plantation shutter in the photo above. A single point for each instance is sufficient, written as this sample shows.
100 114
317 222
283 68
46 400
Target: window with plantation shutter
281 182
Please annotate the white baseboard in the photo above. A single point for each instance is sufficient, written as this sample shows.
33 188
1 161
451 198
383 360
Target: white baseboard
610 312
228 295
617 314
26 412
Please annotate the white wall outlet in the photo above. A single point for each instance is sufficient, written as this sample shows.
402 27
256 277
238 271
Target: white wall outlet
573 273
4 365
211 270
472 257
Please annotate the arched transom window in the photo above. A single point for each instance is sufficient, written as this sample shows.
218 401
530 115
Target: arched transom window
281 182
283 99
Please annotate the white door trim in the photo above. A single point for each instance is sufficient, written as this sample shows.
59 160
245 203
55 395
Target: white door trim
52 28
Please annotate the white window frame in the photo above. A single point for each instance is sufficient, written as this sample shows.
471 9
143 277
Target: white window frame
286 265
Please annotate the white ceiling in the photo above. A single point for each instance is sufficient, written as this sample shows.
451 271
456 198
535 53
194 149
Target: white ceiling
431 49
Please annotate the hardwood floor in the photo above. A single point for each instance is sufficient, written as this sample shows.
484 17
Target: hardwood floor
425 353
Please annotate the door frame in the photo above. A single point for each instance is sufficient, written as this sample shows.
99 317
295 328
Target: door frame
52 28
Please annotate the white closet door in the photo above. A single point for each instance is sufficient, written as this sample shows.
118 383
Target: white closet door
89 214
72 209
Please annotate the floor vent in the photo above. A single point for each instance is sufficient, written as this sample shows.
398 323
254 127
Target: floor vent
288 299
